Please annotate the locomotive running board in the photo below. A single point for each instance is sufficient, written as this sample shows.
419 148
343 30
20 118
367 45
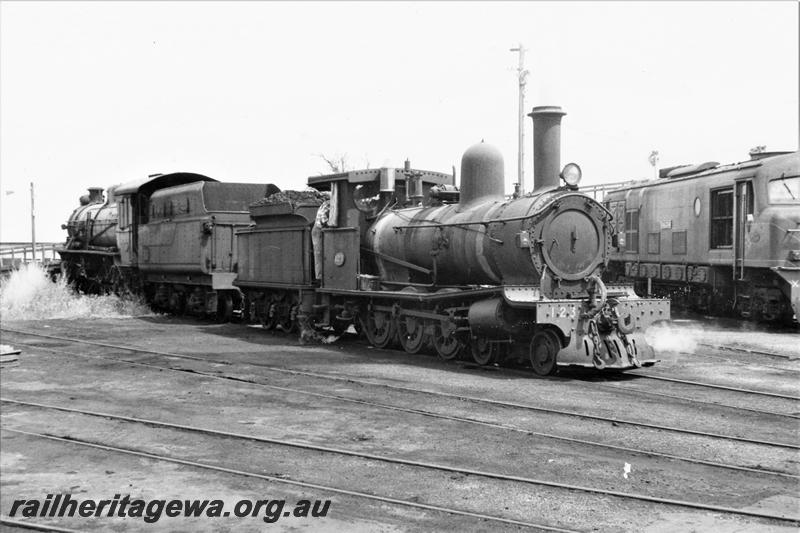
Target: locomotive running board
530 296
417 296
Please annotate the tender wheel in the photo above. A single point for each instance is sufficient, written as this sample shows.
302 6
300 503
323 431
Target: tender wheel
483 351
288 321
224 307
447 344
379 327
543 353
411 332
246 310
177 303
269 318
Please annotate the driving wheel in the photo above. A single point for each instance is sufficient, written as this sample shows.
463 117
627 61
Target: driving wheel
411 332
445 341
379 327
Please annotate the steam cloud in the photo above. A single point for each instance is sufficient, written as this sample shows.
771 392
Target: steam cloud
29 294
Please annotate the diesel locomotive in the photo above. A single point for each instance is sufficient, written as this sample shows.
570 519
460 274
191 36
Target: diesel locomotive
721 239
407 257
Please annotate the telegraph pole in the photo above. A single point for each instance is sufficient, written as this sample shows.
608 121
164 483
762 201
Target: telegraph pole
522 74
33 228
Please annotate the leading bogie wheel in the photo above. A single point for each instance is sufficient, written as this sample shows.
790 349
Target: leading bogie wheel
484 352
544 352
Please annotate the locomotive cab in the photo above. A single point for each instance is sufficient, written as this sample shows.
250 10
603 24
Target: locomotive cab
357 199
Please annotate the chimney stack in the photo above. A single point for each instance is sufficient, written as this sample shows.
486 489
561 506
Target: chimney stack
546 146
95 195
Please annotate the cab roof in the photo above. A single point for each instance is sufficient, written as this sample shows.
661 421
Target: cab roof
322 183
150 184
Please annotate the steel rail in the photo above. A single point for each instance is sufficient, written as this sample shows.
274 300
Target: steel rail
405 462
357 494
694 400
442 394
114 346
742 362
715 386
24 524
748 350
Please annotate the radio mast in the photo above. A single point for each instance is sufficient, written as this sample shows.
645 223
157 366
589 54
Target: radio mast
522 74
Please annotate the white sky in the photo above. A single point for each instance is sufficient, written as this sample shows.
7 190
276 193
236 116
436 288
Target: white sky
93 94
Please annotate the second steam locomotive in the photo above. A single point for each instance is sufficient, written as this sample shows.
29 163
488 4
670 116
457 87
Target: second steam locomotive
401 254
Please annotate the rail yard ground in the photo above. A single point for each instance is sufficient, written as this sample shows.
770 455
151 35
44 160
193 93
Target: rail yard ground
166 408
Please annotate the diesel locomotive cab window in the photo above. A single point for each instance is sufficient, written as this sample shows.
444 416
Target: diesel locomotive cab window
784 191
366 197
142 203
632 230
722 218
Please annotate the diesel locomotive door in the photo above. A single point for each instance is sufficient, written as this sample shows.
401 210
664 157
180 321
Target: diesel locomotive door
743 217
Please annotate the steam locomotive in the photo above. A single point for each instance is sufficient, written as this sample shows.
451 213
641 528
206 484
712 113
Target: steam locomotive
722 239
405 256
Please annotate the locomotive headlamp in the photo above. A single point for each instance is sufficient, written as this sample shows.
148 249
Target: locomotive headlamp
571 175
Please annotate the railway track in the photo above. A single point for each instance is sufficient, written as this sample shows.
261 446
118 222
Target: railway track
216 375
284 480
482 400
603 382
373 457
703 402
515 372
511 370
715 386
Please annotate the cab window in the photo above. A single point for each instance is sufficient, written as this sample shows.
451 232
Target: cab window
784 190
367 196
